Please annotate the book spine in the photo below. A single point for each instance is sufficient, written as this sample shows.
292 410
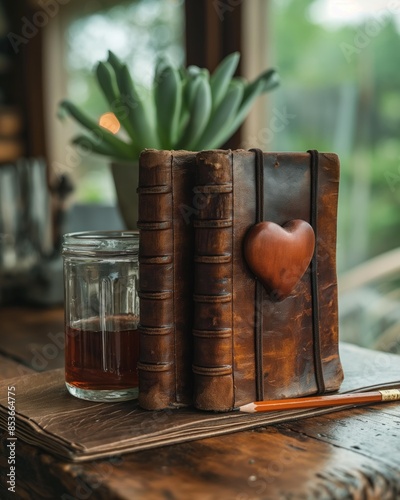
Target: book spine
213 316
156 327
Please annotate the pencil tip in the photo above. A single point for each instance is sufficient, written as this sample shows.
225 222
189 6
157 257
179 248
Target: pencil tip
249 408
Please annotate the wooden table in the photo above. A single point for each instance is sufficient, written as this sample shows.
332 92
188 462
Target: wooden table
348 454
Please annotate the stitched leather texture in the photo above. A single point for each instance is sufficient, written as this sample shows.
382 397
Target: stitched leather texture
166 181
198 308
225 305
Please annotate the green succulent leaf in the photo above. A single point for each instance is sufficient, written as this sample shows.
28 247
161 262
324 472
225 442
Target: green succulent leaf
137 114
222 77
119 147
221 119
168 101
199 112
108 84
114 61
264 83
162 64
193 70
97 146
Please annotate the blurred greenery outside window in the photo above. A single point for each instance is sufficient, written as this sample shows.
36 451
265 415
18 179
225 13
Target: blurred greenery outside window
339 63
137 31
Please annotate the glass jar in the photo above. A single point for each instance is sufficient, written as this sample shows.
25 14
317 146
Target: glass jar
101 314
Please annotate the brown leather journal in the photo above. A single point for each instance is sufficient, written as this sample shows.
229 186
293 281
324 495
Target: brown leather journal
265 322
166 181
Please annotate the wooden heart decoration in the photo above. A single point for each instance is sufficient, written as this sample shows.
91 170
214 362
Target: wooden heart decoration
279 255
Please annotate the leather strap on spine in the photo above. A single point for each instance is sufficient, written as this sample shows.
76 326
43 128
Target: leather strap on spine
259 287
319 374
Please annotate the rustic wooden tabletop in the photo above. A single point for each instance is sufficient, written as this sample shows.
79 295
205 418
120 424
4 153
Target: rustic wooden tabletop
347 454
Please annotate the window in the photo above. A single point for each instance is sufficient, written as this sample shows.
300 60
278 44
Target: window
137 31
339 65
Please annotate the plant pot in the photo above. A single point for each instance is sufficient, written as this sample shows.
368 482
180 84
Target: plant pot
126 178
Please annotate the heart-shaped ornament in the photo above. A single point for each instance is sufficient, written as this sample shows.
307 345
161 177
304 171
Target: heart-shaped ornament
279 255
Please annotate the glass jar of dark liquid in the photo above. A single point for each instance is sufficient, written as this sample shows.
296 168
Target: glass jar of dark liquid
101 314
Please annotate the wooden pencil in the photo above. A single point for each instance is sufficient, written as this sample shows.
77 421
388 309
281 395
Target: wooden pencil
320 401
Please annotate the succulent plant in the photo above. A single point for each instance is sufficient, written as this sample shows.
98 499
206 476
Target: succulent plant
187 108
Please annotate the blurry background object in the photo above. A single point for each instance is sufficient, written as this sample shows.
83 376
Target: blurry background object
369 303
26 233
10 129
24 217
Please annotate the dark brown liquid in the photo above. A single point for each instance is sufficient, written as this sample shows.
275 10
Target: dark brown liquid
96 360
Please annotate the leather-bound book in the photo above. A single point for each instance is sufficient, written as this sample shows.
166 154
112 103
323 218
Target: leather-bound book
166 181
265 321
